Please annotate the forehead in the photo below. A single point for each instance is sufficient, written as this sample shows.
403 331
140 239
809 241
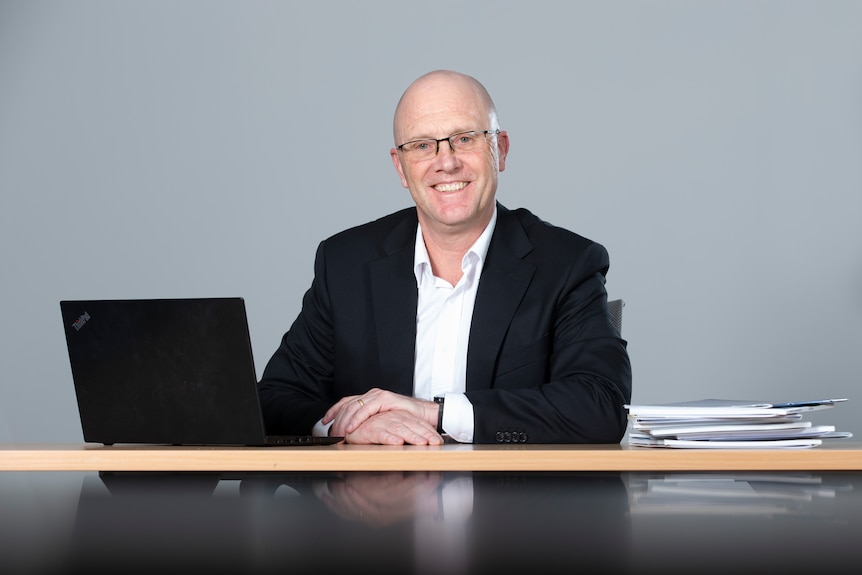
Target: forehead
440 107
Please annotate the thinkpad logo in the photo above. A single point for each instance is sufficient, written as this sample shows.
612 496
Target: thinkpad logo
79 323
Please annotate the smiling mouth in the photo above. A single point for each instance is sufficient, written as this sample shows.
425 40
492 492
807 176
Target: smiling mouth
450 187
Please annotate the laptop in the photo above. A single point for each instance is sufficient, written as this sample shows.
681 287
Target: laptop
167 371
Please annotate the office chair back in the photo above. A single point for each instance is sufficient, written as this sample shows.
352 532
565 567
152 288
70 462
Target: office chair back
615 309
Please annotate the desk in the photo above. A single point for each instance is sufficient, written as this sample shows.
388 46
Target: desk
453 510
837 456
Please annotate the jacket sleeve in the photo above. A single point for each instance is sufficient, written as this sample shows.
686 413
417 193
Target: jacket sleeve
570 381
296 387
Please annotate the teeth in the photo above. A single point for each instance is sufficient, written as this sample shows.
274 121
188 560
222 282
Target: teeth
453 187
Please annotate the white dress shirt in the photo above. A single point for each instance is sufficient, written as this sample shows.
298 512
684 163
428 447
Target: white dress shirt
443 318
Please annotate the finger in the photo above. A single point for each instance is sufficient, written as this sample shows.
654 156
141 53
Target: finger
356 413
376 437
427 432
378 430
416 432
423 438
344 411
332 412
352 415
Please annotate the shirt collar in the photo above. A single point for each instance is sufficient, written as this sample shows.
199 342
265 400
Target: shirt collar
477 252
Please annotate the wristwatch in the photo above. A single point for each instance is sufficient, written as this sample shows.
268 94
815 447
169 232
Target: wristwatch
439 401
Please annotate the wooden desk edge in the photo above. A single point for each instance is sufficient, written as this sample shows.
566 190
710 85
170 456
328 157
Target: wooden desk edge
75 457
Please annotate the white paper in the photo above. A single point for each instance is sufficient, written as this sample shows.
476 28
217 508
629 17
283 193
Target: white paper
647 441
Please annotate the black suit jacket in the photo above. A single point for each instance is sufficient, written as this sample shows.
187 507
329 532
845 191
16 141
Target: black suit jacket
544 363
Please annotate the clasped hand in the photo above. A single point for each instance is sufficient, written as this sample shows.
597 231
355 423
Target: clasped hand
386 418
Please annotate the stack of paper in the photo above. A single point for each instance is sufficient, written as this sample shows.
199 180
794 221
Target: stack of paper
722 423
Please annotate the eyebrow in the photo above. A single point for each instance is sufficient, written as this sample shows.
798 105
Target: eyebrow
459 131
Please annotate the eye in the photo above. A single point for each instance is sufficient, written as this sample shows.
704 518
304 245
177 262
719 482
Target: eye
466 141
422 145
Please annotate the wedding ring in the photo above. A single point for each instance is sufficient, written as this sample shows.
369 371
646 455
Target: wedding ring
361 403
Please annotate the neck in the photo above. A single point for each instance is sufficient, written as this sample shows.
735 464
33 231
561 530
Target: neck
446 248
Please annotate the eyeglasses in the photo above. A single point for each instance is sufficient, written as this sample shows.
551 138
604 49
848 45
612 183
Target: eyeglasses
461 142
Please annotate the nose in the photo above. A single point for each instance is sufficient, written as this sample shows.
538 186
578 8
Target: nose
446 158
440 143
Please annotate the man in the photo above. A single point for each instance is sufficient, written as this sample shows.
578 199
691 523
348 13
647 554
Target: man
458 316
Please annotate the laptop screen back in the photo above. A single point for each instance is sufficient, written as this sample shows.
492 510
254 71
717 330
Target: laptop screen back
163 371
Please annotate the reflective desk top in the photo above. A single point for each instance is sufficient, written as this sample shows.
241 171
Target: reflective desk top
450 509
431 522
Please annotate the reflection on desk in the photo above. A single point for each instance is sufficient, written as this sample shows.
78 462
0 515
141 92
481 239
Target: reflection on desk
733 494
433 522
748 522
395 522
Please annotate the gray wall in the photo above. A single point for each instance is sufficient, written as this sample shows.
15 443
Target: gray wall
203 148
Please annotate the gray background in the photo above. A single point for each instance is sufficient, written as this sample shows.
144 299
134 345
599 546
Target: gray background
192 148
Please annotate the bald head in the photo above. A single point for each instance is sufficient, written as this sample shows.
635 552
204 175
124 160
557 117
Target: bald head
438 94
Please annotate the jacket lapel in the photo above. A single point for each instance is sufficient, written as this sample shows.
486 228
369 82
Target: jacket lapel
505 278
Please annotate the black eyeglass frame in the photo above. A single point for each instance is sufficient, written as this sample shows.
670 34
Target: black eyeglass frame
447 139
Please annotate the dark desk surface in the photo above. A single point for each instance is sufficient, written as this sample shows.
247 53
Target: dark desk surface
431 522
442 510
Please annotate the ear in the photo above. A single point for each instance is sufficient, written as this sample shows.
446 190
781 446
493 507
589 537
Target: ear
502 149
396 161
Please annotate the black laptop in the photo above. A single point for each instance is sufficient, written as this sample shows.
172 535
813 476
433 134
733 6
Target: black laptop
167 371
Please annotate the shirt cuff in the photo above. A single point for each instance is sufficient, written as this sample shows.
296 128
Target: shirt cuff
321 430
458 417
